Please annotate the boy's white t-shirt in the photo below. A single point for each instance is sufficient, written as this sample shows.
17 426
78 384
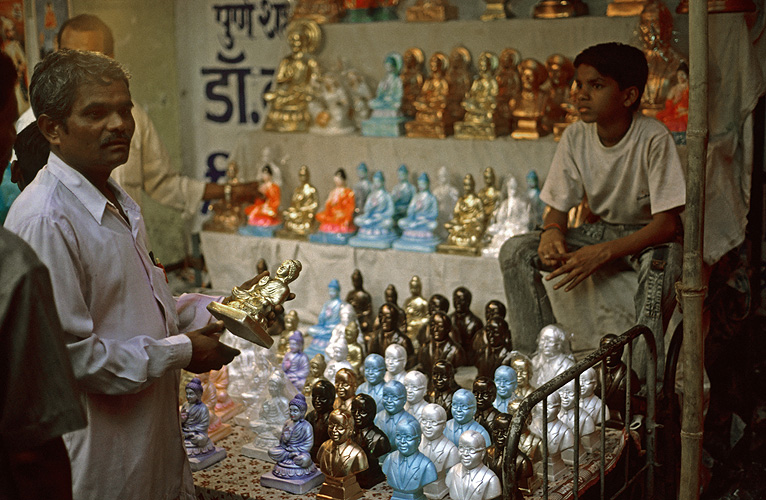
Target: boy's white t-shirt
626 183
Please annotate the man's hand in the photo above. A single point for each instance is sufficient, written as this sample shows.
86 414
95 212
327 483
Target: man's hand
579 264
552 247
207 352
247 191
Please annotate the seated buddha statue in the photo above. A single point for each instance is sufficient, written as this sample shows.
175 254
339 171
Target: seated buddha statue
288 102
412 78
336 220
560 112
432 116
508 83
387 119
489 194
195 419
299 217
376 222
263 215
529 110
482 119
320 11
513 217
467 225
228 215
459 77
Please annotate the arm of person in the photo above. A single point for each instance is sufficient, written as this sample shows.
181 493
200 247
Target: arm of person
552 239
578 265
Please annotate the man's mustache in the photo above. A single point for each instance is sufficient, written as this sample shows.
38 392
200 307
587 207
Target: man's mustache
115 138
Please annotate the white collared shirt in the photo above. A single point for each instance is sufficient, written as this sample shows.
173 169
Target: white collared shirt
121 327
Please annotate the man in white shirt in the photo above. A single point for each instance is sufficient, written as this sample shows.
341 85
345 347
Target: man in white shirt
148 168
121 323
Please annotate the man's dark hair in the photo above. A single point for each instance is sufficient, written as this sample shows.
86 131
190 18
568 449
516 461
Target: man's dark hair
623 63
8 78
89 22
57 78
32 150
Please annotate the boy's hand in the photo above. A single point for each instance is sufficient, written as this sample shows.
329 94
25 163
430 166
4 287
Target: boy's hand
207 352
552 247
579 264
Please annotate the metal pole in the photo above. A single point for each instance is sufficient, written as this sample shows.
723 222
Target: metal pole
693 289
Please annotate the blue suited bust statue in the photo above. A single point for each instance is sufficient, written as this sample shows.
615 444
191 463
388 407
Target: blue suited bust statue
376 222
463 410
329 317
506 382
374 375
387 119
420 222
407 469
295 470
394 399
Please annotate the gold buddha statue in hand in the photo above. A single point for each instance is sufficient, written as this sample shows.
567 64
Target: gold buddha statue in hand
288 103
467 225
299 217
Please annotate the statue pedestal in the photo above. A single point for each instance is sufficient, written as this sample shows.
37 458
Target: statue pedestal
528 128
436 13
287 121
250 450
567 456
199 462
241 324
330 238
365 15
260 231
381 240
340 488
624 8
291 235
472 131
414 241
556 468
496 10
458 250
296 485
429 130
591 442
384 126
555 9
219 432
438 489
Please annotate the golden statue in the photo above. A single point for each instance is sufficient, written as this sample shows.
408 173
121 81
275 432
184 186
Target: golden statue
431 10
489 194
467 225
412 79
556 9
560 111
355 352
459 78
529 112
416 311
319 11
497 9
288 103
291 326
340 458
432 118
483 119
508 84
245 312
317 366
228 216
655 29
299 217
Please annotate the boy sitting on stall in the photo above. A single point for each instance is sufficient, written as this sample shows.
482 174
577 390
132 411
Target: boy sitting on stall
627 167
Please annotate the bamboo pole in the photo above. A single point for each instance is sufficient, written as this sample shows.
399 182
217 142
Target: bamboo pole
693 288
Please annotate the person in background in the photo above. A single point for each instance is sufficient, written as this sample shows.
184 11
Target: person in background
39 401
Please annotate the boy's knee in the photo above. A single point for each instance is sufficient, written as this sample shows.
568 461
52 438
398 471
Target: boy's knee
519 249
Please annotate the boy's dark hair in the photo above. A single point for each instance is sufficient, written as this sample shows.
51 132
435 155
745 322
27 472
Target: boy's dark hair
89 22
32 150
8 77
623 63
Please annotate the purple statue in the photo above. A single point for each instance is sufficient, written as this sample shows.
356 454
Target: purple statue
295 363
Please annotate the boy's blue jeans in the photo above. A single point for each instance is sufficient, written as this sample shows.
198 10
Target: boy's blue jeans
529 308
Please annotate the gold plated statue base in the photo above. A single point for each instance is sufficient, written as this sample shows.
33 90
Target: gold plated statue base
340 488
496 10
458 250
624 8
429 130
555 9
718 6
321 12
241 324
287 121
528 129
292 235
481 131
432 13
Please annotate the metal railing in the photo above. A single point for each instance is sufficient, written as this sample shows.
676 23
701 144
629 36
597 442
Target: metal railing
512 453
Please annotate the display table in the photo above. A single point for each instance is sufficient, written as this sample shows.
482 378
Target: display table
597 306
